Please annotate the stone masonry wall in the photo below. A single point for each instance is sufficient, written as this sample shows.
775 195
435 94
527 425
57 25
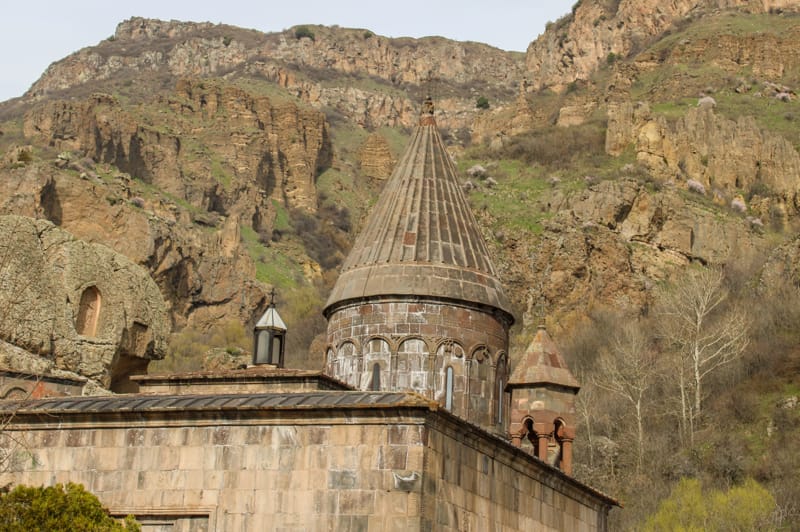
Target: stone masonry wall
470 485
413 343
314 473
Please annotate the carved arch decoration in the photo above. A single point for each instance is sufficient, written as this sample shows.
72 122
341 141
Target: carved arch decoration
449 347
450 353
354 341
501 357
401 339
500 403
480 353
390 341
343 362
329 350
564 434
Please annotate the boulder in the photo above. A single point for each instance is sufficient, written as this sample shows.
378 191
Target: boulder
81 307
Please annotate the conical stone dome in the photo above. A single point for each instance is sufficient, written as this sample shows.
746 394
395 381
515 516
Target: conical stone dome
421 238
418 305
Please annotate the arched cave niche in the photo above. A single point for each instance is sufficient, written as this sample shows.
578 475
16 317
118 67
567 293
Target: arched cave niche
134 354
122 370
89 312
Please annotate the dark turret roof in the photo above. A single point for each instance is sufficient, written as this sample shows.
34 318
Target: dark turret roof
421 238
543 364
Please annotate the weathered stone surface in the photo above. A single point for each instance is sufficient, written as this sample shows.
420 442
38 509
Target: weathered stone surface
17 156
578 44
204 50
723 155
264 150
375 157
83 307
204 273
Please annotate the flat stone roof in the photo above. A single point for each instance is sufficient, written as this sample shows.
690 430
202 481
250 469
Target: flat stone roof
258 372
214 402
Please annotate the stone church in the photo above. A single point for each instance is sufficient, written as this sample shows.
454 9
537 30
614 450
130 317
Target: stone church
417 421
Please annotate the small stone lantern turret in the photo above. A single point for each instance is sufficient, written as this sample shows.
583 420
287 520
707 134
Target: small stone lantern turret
269 337
543 402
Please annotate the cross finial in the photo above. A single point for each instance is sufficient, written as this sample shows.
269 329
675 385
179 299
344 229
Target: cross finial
542 308
272 297
426 117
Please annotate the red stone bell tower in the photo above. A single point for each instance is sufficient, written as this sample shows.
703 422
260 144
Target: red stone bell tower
543 402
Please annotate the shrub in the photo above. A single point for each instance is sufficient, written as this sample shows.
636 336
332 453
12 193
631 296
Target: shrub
759 188
695 186
477 171
368 34
25 156
57 507
482 102
304 32
572 87
745 507
707 101
611 58
227 40
555 146
188 347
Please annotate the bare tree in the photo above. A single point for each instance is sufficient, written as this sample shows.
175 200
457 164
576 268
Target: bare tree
704 334
628 370
584 401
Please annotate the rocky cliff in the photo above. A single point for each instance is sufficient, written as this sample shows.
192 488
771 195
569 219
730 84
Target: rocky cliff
215 146
227 161
726 157
361 75
610 243
599 31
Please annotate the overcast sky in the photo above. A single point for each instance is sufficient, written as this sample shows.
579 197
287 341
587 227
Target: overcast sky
34 33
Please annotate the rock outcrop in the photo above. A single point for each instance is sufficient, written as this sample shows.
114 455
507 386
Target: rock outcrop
597 31
371 68
219 148
82 307
723 155
609 244
375 157
197 260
